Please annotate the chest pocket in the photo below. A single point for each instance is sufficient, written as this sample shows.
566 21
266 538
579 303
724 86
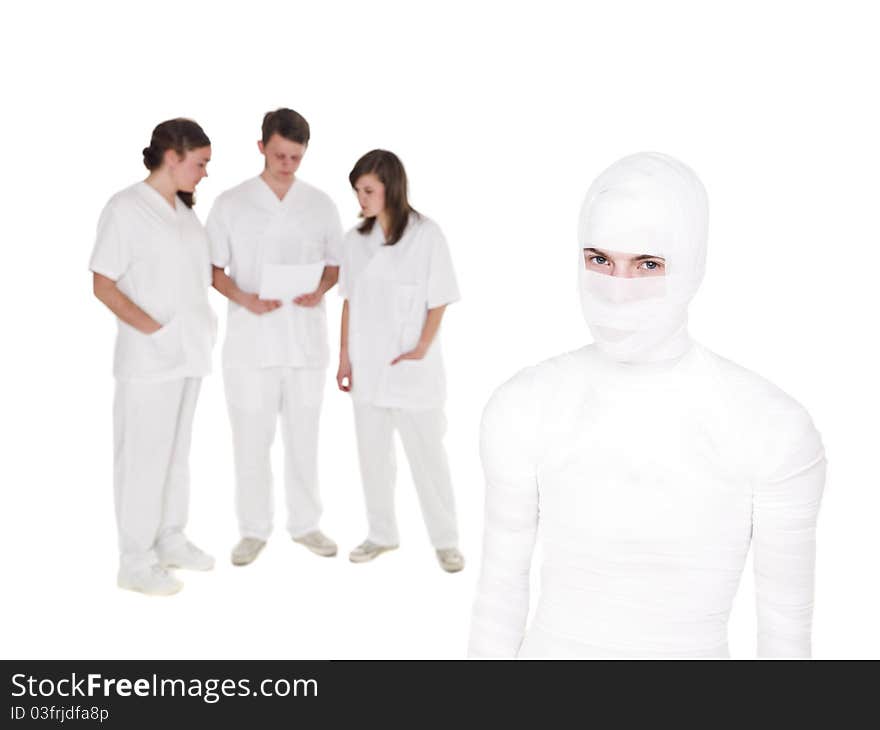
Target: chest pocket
288 241
313 250
409 313
193 259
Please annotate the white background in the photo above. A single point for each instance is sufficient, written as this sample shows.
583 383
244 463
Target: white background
502 113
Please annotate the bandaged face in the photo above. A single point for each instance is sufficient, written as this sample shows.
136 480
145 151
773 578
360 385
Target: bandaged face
641 255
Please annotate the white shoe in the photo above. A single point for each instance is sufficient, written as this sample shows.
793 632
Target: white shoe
318 543
247 550
186 556
450 559
367 551
153 580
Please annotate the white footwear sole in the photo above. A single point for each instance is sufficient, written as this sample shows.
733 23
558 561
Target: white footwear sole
367 557
324 552
138 589
452 568
175 566
241 560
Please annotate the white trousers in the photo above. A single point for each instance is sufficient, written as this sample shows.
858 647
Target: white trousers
255 398
152 429
421 432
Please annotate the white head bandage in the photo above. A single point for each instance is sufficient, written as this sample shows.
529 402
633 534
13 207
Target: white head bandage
651 204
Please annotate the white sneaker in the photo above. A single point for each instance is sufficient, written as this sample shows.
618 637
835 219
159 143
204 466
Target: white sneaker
247 550
186 556
450 559
318 543
153 580
367 551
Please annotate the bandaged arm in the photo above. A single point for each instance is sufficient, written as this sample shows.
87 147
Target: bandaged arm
785 506
508 447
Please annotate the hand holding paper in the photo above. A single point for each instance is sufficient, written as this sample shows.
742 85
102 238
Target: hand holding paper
254 304
312 299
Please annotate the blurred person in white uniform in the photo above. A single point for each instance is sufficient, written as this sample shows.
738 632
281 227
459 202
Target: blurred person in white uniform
275 354
646 465
397 279
152 269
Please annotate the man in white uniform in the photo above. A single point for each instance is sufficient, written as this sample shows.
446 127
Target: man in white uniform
275 354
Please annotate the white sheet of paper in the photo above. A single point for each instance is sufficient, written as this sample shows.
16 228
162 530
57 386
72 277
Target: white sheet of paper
285 281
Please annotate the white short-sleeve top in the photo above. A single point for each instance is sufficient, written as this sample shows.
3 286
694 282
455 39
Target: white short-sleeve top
250 228
390 290
158 256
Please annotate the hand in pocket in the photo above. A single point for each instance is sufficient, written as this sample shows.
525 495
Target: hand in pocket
417 353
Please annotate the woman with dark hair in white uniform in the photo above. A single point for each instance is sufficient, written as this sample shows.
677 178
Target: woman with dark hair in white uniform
397 279
151 268
644 463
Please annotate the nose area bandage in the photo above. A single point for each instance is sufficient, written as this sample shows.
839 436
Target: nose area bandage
623 290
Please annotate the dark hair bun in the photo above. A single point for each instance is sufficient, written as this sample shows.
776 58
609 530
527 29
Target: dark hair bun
152 159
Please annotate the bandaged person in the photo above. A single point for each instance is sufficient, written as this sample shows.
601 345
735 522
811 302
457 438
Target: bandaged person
646 465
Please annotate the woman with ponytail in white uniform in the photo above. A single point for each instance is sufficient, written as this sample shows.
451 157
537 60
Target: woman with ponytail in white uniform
397 279
645 464
152 269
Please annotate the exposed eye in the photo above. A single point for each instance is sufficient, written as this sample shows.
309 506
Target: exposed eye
651 265
600 260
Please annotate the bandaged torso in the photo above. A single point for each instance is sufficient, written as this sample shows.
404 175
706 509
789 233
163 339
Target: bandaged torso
649 484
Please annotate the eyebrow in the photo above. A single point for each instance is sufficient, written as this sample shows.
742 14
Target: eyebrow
640 257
